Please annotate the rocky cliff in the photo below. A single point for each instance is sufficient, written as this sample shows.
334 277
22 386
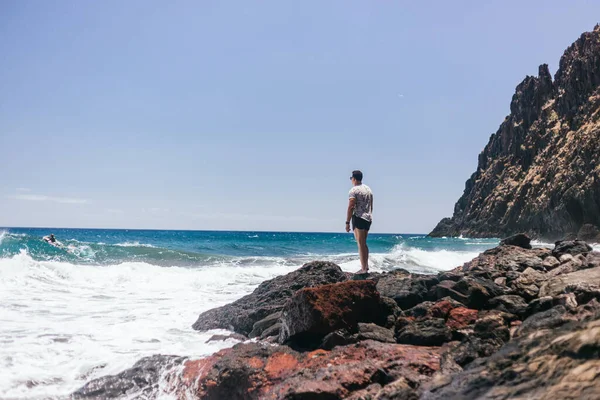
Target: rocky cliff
540 172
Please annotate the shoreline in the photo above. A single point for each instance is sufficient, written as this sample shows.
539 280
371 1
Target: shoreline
427 333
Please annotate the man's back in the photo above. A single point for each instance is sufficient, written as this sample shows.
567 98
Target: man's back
364 201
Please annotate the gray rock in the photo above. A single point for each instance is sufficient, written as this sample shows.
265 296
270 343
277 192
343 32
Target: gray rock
429 332
260 326
572 247
519 240
557 285
140 381
407 290
268 298
510 303
552 318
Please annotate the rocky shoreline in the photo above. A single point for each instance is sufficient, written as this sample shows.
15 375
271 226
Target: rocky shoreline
515 322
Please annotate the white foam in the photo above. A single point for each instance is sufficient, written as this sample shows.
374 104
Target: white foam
410 258
63 324
133 244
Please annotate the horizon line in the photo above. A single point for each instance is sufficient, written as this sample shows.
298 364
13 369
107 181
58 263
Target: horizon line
202 230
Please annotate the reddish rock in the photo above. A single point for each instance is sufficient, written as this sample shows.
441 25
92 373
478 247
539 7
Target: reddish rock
461 318
256 371
312 313
442 309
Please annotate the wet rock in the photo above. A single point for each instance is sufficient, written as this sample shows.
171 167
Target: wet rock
140 381
429 332
519 240
572 247
510 303
312 313
268 298
255 371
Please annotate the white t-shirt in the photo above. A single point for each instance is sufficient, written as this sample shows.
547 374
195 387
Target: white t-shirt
364 199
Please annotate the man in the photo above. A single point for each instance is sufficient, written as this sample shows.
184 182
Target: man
360 213
51 240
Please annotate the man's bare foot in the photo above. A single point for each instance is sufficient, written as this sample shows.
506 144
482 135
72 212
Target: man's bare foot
362 271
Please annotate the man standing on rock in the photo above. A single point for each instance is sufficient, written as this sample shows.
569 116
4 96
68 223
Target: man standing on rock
360 209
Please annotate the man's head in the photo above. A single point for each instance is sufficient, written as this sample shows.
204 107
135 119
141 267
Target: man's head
52 236
356 177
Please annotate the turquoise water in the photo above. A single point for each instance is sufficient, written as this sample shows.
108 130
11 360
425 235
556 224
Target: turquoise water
206 248
107 298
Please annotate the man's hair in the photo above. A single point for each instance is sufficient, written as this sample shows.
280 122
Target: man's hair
356 174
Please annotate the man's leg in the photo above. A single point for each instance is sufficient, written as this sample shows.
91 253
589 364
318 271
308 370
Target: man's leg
363 249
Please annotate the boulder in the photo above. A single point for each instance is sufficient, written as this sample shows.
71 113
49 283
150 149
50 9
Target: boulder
312 313
429 332
140 381
496 262
540 304
406 289
550 263
510 303
268 298
447 288
519 240
256 371
572 247
549 319
557 285
527 285
461 318
479 291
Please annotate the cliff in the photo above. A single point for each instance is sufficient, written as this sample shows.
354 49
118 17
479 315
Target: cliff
540 171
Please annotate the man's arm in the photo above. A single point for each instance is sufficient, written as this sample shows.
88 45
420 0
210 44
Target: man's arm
371 202
351 205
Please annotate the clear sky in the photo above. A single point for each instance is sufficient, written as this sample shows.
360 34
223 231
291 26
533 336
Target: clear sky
250 115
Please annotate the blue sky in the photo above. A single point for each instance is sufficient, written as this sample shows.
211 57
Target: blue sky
250 115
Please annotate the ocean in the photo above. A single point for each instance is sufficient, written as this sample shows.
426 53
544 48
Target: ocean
106 298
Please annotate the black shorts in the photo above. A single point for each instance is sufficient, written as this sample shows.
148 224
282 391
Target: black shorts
359 223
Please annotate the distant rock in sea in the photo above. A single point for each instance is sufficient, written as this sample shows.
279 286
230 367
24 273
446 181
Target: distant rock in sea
540 172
